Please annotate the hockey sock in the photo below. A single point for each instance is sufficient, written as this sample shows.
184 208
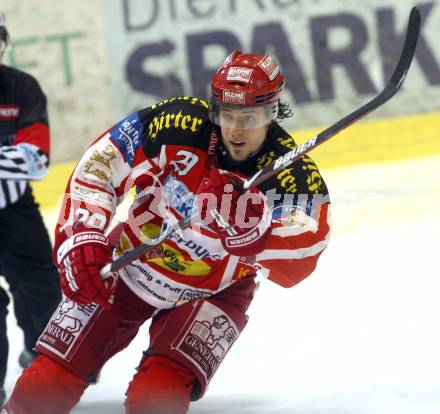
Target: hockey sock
45 387
160 386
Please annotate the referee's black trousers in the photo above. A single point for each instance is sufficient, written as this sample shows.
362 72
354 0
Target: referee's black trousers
26 263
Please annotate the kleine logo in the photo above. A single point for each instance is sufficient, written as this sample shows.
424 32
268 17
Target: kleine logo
226 62
269 65
234 97
237 73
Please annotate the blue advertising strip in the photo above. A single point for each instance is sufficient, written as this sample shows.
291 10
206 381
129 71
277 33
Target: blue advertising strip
127 136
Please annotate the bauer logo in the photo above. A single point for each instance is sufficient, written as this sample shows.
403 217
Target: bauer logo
234 97
90 237
287 158
236 73
269 66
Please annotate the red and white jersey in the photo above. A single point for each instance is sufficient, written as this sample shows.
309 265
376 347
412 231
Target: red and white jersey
164 152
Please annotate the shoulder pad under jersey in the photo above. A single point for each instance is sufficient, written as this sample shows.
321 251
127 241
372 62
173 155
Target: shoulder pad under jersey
302 177
178 121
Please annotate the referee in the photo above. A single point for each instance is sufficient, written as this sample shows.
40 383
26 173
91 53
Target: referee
25 250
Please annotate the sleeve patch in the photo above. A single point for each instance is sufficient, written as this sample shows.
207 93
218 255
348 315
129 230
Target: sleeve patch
127 135
36 160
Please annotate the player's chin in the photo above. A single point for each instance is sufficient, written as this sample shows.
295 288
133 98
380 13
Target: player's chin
238 152
239 155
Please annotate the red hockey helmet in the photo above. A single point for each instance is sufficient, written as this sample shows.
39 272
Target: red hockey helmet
247 80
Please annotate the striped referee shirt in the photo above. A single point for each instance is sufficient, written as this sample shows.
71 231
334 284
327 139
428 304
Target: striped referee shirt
24 134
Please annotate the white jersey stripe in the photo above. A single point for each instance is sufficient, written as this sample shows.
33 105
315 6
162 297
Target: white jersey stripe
11 191
283 254
229 271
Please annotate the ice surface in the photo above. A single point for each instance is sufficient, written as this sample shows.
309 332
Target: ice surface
360 336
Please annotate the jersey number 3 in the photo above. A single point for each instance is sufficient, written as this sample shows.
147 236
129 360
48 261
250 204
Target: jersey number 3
183 165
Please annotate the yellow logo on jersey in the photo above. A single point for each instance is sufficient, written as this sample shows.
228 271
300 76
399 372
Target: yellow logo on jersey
169 258
287 176
266 159
124 245
149 231
178 121
105 157
288 180
314 179
287 142
172 259
192 100
244 271
89 168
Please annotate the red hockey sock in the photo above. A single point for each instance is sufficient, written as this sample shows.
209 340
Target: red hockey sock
161 386
45 387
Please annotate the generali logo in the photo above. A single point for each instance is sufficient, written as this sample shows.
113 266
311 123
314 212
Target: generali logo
269 65
237 73
234 97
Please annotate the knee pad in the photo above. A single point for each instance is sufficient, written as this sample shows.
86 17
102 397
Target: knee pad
160 386
45 387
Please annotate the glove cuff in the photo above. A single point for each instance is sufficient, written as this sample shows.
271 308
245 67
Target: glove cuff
252 241
84 237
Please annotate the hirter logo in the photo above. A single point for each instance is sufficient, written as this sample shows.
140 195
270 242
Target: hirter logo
234 97
236 73
270 66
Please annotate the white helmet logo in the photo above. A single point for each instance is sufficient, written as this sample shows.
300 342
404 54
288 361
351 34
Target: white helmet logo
238 73
234 97
270 66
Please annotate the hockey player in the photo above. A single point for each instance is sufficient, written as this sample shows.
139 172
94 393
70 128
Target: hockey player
196 286
25 250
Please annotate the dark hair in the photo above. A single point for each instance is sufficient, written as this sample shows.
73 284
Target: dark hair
4 35
284 111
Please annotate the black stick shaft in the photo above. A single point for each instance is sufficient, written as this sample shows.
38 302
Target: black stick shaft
388 92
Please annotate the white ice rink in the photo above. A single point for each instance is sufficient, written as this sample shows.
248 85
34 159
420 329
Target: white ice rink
360 336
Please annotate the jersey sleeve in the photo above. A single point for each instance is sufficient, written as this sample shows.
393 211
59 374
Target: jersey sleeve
32 122
133 153
28 157
22 162
300 223
110 167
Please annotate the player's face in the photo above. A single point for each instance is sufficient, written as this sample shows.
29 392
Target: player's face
243 131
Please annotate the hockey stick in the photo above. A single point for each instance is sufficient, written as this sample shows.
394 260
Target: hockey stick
390 89
388 92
